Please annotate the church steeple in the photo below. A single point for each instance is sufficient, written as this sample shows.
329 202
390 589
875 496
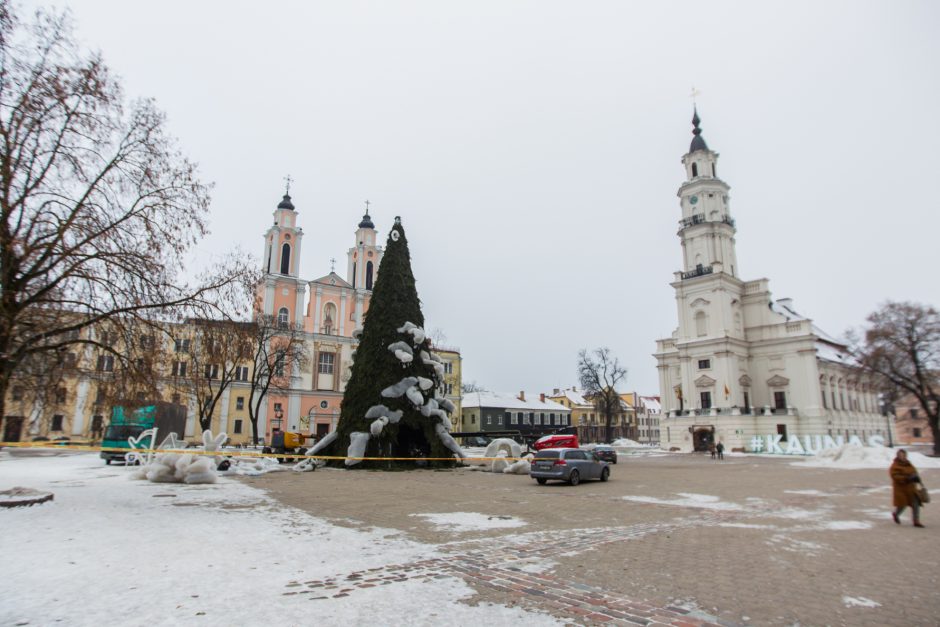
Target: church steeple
707 229
364 257
698 142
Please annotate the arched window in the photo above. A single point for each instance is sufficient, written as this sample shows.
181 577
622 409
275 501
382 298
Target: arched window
285 258
282 317
694 169
354 274
329 318
701 324
369 275
715 170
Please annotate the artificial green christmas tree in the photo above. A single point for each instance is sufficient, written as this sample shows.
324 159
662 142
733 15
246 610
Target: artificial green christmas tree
392 407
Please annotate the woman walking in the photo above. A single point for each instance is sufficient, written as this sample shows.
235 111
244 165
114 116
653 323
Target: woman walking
904 479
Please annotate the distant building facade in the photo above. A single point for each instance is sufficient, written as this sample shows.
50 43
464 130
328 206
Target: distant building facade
489 411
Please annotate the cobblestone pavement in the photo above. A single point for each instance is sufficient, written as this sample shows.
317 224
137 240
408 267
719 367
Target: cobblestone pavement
675 540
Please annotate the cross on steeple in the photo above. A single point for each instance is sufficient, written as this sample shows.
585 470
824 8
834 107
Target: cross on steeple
289 180
367 207
332 264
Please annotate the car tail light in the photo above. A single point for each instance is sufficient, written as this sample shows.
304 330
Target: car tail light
560 462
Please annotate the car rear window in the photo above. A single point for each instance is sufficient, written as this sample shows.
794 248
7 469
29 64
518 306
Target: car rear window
575 455
546 455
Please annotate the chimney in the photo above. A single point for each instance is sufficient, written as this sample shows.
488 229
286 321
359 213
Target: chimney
522 395
542 398
556 392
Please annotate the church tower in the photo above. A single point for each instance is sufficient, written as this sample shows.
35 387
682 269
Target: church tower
708 289
282 291
363 261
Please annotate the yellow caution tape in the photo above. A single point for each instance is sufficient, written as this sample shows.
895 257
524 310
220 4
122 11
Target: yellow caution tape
230 453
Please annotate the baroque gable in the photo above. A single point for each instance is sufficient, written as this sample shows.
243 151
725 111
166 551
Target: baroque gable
704 381
778 381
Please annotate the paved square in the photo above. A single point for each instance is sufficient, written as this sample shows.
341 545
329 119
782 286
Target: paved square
679 540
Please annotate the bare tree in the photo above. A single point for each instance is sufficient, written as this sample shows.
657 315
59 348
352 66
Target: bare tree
218 354
277 351
472 386
901 348
97 204
600 373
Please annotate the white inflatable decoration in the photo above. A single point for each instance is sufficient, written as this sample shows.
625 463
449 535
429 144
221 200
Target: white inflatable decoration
509 446
182 467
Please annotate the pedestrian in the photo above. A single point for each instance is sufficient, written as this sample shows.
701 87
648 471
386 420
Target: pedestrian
720 449
711 449
904 479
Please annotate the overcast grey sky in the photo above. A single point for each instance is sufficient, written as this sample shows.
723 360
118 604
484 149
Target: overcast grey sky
532 150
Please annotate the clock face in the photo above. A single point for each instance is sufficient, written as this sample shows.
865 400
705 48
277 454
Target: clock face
693 199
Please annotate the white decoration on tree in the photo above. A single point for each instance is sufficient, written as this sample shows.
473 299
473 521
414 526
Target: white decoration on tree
401 346
403 357
357 447
414 395
377 425
424 383
416 332
394 391
448 441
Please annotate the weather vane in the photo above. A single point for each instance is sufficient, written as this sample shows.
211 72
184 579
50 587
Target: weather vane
289 181
332 264
695 92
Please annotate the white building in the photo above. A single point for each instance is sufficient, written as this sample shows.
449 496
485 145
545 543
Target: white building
739 364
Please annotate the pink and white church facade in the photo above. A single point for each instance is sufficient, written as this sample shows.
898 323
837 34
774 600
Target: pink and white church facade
329 309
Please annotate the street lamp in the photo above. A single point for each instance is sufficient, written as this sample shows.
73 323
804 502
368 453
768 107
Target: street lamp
278 419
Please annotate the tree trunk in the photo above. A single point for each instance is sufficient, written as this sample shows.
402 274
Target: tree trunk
934 421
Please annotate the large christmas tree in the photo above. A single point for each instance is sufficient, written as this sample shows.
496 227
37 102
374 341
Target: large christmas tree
392 408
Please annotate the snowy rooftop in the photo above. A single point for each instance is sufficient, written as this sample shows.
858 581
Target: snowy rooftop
510 401
651 403
827 347
573 396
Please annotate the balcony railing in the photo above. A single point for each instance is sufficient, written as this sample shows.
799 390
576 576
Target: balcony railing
700 270
699 218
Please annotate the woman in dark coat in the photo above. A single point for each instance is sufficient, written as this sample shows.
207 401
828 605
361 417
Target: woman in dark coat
904 479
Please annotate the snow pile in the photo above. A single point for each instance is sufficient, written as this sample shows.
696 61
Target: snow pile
859 602
189 468
519 467
855 457
457 522
628 443
252 467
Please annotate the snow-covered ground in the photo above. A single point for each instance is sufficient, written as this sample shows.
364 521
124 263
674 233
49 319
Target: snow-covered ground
854 457
108 549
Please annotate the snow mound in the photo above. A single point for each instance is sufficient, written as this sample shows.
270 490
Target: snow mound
627 442
249 467
457 522
855 457
183 467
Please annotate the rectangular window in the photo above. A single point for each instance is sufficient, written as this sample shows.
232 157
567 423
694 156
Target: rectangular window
146 341
239 402
825 406
212 371
780 400
706 399
509 418
60 396
499 420
325 363
238 426
17 394
279 358
207 401
704 364
105 338
473 419
179 368
241 373
182 346
531 418
551 419
57 422
916 432
97 422
105 363
69 360
782 430
489 419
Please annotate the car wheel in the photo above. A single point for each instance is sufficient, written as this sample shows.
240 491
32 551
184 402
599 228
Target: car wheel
542 480
107 462
605 474
574 478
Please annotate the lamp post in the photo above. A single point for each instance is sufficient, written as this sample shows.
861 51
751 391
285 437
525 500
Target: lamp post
278 419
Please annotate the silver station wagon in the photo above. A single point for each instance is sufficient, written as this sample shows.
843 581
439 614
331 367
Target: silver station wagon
567 464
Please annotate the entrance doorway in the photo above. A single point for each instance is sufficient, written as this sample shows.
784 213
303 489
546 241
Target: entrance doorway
12 428
323 430
703 438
